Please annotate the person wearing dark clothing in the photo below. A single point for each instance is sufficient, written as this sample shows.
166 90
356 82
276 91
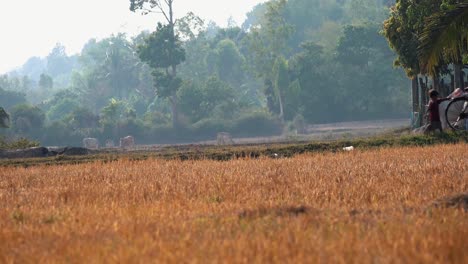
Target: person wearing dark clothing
433 111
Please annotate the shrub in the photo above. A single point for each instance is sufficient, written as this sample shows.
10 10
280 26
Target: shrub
133 127
300 124
256 124
59 134
166 134
21 143
210 127
27 120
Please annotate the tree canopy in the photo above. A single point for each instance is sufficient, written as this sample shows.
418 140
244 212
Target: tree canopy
290 64
445 35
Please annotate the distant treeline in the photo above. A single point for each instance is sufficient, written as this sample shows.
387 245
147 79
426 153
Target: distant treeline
289 64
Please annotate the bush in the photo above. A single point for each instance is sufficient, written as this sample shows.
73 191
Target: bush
256 124
158 118
161 133
9 99
166 134
133 127
300 124
59 134
21 143
209 128
63 108
27 120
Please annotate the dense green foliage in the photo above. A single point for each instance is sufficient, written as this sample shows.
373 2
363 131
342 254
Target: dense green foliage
445 36
291 63
21 143
430 38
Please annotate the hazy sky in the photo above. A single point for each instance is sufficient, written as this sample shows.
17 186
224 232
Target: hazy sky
33 27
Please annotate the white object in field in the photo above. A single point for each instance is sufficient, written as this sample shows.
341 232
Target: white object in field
91 143
351 148
127 142
110 143
224 138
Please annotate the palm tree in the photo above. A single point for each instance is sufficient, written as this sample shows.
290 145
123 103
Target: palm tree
4 118
445 36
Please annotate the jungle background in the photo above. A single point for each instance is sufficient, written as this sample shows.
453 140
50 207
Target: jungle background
290 64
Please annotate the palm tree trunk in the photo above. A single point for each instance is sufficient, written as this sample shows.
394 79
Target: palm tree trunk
415 94
422 100
457 68
436 82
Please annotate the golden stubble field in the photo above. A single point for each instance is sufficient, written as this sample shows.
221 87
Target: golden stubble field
359 207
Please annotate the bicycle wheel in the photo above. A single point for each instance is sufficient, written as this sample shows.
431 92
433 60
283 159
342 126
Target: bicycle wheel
457 113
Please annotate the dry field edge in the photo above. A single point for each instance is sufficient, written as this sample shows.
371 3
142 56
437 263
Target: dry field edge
224 153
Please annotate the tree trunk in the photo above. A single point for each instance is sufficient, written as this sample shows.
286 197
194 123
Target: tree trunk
174 106
452 83
423 100
457 68
423 93
281 114
463 83
174 109
415 94
436 83
416 102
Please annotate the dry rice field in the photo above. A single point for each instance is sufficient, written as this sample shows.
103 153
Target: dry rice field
359 207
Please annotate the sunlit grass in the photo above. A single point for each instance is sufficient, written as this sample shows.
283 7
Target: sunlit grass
360 207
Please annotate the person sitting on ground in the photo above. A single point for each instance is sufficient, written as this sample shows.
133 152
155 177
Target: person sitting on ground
433 112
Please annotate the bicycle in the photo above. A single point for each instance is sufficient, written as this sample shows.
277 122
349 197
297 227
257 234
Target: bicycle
457 112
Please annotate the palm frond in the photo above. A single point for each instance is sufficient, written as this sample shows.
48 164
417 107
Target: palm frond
445 35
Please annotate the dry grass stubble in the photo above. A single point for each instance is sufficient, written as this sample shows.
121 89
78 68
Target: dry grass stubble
357 207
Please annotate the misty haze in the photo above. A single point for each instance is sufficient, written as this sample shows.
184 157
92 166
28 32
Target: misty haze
286 66
222 131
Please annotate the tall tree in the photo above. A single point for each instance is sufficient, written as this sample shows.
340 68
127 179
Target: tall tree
33 68
119 66
229 62
46 82
110 69
280 82
445 35
27 120
10 98
402 28
269 41
163 49
58 62
164 57
309 77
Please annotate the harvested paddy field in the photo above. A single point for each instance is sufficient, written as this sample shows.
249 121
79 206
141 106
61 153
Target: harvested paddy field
371 206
